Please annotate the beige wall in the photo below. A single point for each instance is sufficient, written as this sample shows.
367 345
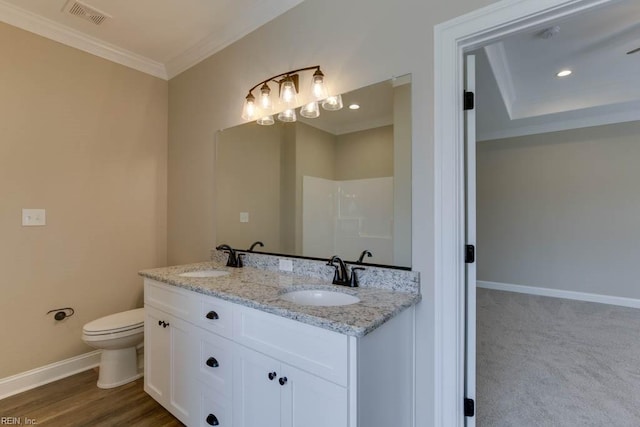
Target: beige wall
288 191
561 210
85 139
315 156
396 38
364 154
250 160
402 175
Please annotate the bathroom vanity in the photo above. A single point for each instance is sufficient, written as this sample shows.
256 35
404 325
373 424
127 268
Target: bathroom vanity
230 351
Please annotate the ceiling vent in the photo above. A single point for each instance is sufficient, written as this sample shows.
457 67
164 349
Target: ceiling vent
84 11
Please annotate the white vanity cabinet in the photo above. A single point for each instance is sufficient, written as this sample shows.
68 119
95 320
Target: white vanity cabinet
216 363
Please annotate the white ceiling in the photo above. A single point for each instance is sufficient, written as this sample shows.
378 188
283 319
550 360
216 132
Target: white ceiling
376 109
518 92
160 37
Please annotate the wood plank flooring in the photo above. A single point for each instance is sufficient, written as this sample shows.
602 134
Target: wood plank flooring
77 401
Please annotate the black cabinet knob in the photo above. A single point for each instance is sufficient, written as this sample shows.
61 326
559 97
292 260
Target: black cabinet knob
212 315
272 375
282 380
212 420
159 322
212 362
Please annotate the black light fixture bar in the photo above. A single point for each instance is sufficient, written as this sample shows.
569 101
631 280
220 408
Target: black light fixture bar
291 74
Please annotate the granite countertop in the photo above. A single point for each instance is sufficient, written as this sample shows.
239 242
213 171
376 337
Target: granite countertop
260 289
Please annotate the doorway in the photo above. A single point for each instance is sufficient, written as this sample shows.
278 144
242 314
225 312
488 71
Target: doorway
452 39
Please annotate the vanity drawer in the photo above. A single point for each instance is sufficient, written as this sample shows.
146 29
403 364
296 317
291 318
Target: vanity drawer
215 362
214 315
315 350
170 299
213 408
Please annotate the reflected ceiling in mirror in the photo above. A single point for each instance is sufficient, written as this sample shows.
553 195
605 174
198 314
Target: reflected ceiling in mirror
338 184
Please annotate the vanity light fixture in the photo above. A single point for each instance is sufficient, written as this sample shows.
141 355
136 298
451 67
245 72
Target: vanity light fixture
332 103
563 73
262 109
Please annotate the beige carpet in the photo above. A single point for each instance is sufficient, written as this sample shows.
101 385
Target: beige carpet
555 362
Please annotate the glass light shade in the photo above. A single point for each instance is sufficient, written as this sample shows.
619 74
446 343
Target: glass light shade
287 115
310 111
318 88
288 92
265 121
265 99
332 103
249 110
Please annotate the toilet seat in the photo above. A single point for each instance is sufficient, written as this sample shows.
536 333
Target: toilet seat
120 324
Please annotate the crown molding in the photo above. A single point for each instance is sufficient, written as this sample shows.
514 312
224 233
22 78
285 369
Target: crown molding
44 27
253 20
198 53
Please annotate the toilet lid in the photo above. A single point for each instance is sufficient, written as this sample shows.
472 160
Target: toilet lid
118 322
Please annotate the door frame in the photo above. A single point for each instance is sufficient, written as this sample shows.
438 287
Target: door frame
451 40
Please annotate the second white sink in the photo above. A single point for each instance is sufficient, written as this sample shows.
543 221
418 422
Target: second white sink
204 273
319 297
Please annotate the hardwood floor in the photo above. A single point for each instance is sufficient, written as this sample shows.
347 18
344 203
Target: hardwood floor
77 401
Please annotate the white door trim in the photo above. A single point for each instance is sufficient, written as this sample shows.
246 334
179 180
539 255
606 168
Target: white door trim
452 39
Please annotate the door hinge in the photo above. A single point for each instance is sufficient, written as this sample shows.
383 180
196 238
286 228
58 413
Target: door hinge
469 254
468 100
469 407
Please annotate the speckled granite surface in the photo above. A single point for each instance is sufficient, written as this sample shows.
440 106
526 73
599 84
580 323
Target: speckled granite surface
260 289
372 277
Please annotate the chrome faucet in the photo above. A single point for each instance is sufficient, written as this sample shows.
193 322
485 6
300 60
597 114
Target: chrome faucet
234 260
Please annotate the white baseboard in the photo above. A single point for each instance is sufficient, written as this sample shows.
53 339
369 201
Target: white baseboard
36 377
557 293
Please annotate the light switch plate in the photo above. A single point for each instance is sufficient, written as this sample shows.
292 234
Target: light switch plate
244 216
286 265
34 217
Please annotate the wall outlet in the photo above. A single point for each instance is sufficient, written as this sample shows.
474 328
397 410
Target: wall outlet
34 217
286 265
244 216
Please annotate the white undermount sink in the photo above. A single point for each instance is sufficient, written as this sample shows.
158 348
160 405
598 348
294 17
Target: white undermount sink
319 297
204 273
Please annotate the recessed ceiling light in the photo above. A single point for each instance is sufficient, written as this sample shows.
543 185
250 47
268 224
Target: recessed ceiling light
354 106
564 73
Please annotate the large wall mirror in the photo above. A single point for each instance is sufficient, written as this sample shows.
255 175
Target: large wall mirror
338 184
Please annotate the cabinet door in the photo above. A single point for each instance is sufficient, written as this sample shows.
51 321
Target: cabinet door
183 385
310 401
170 358
256 390
156 355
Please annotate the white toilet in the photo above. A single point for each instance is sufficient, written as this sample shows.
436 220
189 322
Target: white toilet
118 336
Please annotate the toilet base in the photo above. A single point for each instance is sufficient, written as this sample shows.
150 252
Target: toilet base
118 367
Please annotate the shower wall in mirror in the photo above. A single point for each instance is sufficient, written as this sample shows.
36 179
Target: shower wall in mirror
335 185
